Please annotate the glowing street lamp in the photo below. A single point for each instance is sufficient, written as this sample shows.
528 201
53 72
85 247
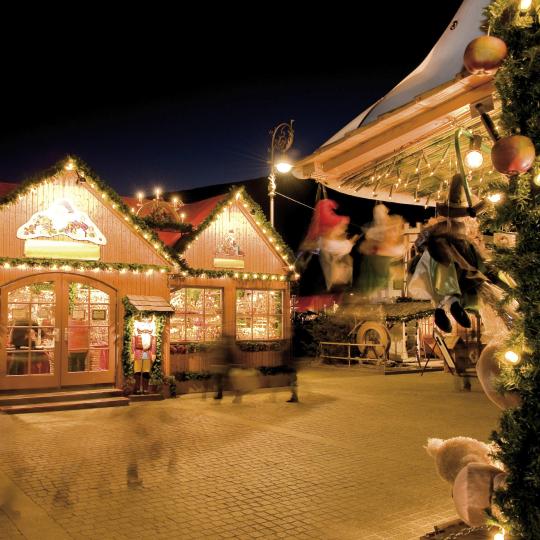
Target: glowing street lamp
282 139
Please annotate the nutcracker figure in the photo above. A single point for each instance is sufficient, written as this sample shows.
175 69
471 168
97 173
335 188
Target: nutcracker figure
144 352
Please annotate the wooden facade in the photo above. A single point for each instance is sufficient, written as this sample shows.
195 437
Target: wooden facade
259 254
124 244
62 324
260 265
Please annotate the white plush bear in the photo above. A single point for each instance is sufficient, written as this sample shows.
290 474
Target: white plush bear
466 464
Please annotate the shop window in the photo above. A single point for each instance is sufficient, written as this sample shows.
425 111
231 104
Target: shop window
259 314
31 330
198 314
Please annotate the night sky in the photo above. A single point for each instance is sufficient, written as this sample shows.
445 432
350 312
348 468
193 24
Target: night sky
187 101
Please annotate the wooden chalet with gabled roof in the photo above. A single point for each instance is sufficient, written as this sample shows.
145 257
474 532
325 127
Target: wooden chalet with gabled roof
70 251
233 280
74 253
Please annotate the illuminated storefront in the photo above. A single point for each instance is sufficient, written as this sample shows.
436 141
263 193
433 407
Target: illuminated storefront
80 273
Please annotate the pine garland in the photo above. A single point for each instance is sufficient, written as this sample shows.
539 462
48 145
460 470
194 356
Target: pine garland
518 437
76 264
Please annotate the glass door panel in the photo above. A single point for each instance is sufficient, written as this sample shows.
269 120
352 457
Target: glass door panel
30 342
89 333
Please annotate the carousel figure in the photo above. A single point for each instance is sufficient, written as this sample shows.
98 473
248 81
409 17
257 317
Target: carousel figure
382 244
325 262
449 268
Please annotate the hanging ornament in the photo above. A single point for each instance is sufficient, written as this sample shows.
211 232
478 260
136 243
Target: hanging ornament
488 370
484 55
513 155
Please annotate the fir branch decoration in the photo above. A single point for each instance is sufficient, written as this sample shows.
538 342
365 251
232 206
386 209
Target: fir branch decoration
78 265
518 436
130 314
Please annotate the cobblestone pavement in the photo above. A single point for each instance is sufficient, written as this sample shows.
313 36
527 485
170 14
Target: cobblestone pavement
345 463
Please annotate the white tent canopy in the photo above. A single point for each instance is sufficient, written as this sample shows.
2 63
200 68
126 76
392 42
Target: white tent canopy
441 65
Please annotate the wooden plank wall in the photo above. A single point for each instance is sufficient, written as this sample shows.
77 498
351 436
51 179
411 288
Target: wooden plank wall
202 362
259 255
123 243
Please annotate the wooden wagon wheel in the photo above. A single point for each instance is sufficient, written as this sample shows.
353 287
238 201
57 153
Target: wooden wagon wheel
376 333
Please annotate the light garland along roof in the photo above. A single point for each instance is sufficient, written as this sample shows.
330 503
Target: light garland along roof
107 194
240 196
422 171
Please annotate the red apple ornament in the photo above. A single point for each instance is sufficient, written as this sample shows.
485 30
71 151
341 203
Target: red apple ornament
513 155
484 55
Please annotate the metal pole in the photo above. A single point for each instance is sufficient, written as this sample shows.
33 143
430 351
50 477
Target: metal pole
272 179
282 139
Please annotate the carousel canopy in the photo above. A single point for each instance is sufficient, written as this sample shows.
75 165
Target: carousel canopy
441 65
403 148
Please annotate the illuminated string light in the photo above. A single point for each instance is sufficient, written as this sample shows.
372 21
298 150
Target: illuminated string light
494 198
512 357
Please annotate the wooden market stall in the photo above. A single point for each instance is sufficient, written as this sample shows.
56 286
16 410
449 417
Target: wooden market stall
81 274
69 253
234 280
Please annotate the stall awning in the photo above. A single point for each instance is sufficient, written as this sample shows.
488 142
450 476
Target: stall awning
150 303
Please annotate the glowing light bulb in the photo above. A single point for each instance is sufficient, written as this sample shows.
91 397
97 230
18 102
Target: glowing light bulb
474 159
70 165
525 5
283 167
157 191
499 536
512 357
494 198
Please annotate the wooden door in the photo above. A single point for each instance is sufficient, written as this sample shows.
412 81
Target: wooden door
30 340
89 332
57 330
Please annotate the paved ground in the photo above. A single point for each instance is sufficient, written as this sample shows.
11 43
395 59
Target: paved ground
345 463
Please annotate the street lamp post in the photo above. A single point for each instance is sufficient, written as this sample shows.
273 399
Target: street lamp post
282 139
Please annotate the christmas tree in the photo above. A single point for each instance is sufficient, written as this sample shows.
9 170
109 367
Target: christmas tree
518 437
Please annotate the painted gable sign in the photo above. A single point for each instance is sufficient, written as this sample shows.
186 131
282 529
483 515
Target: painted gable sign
61 232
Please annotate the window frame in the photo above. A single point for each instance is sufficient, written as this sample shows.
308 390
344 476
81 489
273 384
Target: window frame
202 314
253 315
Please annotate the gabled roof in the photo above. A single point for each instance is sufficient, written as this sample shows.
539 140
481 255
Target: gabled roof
6 187
204 212
10 192
197 212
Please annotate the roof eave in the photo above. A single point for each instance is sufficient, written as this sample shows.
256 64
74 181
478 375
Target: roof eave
395 130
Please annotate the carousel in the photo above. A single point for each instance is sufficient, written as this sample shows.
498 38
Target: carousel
415 293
